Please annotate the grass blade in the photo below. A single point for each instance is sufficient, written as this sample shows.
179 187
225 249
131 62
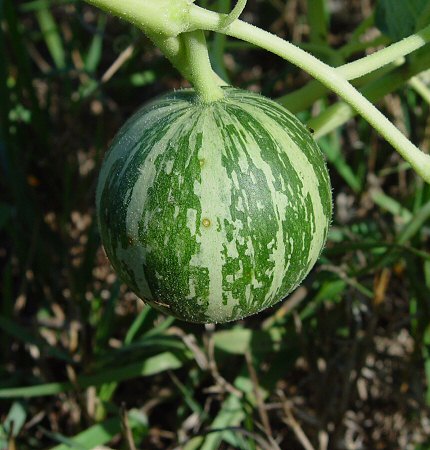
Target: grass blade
150 366
100 433
52 37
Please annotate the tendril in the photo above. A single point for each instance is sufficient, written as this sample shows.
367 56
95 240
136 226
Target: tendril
235 13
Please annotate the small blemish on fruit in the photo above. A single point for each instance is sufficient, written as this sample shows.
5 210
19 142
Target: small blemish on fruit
201 162
157 302
206 222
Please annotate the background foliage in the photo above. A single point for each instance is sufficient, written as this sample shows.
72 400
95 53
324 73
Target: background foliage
343 363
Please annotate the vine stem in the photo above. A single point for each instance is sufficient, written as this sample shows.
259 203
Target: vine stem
385 56
363 66
164 17
337 114
201 74
421 88
167 21
200 18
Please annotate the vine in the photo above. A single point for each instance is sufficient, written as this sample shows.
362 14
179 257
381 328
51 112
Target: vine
182 17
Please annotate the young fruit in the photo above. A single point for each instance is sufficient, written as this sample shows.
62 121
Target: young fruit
213 212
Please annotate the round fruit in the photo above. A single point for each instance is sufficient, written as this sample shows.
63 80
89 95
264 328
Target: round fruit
213 212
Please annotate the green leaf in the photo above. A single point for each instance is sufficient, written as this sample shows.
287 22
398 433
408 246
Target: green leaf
142 78
137 325
94 55
102 433
329 290
391 205
230 415
150 366
318 19
236 340
52 37
400 18
15 420
414 225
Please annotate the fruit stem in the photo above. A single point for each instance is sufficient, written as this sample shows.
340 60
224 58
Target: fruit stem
163 21
201 73
169 22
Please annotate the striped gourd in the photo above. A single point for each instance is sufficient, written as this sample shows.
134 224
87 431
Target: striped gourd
212 212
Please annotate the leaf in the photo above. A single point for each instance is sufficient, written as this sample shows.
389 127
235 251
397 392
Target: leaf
52 37
400 18
94 55
230 415
391 205
412 227
15 420
101 433
150 366
238 340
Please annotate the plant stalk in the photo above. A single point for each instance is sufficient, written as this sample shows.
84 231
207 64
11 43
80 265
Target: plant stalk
154 16
339 113
363 66
385 56
172 18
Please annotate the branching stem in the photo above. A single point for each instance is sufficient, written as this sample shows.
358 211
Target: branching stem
172 22
385 56
330 77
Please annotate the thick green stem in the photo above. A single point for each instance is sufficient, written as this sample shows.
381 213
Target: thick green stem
201 73
162 21
171 18
156 16
204 19
174 50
